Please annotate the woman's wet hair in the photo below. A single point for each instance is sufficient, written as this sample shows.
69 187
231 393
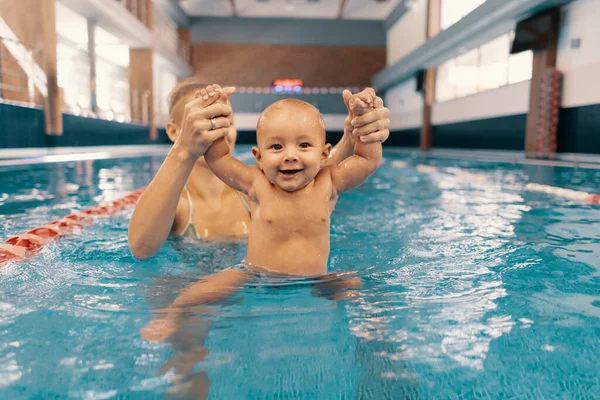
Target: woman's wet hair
183 89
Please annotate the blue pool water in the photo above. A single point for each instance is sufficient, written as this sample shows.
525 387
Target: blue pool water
473 288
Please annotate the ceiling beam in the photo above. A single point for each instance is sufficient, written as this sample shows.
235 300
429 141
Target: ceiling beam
233 8
173 8
340 14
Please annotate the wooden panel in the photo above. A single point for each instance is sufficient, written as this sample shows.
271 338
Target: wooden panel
140 86
185 48
25 19
542 60
149 17
259 64
53 108
433 28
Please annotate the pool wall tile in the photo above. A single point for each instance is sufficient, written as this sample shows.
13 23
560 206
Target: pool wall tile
249 137
579 132
500 133
579 129
404 138
22 127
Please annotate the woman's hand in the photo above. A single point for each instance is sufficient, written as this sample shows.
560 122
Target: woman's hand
205 119
367 117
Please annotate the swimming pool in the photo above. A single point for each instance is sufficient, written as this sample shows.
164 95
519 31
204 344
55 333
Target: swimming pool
474 287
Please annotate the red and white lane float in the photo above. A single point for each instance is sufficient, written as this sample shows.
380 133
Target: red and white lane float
28 244
578 195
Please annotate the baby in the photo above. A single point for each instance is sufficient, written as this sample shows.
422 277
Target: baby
292 190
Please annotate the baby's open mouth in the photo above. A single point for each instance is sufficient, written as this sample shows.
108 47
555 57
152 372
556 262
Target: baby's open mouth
289 172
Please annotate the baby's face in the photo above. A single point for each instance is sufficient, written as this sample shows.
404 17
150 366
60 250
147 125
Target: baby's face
291 148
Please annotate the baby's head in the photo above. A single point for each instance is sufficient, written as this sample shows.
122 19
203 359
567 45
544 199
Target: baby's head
291 144
183 93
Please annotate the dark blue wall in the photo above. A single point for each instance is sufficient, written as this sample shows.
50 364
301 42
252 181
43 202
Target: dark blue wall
405 138
288 31
326 103
579 130
24 127
21 126
502 133
249 137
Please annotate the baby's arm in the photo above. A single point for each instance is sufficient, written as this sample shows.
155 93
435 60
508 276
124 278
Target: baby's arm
229 169
366 159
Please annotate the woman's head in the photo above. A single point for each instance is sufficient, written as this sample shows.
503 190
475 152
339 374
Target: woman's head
183 93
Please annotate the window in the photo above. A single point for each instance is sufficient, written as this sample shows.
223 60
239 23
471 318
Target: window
519 67
485 68
164 81
465 70
73 67
453 11
493 65
112 90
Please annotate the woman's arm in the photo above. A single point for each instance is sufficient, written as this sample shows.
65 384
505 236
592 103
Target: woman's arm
154 214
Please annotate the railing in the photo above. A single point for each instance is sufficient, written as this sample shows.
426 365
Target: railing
18 69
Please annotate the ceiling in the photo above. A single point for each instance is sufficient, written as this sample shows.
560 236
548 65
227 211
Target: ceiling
321 9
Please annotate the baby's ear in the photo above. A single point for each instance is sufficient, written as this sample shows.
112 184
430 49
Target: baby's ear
256 153
326 152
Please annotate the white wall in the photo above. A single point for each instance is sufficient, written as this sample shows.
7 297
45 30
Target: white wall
507 100
408 33
581 67
405 105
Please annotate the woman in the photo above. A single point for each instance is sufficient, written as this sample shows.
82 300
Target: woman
186 198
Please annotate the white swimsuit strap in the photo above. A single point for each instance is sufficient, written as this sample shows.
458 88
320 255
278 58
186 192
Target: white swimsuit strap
191 211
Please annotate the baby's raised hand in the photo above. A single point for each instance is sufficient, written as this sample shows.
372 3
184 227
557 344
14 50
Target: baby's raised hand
216 90
362 102
222 95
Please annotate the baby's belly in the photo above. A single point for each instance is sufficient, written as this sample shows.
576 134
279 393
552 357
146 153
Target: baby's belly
297 255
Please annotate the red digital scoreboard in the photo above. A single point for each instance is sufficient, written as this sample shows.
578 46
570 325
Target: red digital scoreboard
290 85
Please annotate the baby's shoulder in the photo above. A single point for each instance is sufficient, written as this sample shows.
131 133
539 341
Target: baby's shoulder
324 180
325 173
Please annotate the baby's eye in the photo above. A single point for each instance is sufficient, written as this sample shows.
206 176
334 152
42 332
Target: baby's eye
276 146
304 145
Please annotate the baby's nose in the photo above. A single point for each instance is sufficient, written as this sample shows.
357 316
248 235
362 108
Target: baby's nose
291 156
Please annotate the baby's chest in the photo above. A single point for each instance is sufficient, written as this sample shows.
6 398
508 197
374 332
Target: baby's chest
294 214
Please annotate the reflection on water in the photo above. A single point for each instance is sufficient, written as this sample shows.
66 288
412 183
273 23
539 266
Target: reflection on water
472 288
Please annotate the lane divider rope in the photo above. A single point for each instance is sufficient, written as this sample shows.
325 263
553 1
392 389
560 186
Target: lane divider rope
27 245
577 195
